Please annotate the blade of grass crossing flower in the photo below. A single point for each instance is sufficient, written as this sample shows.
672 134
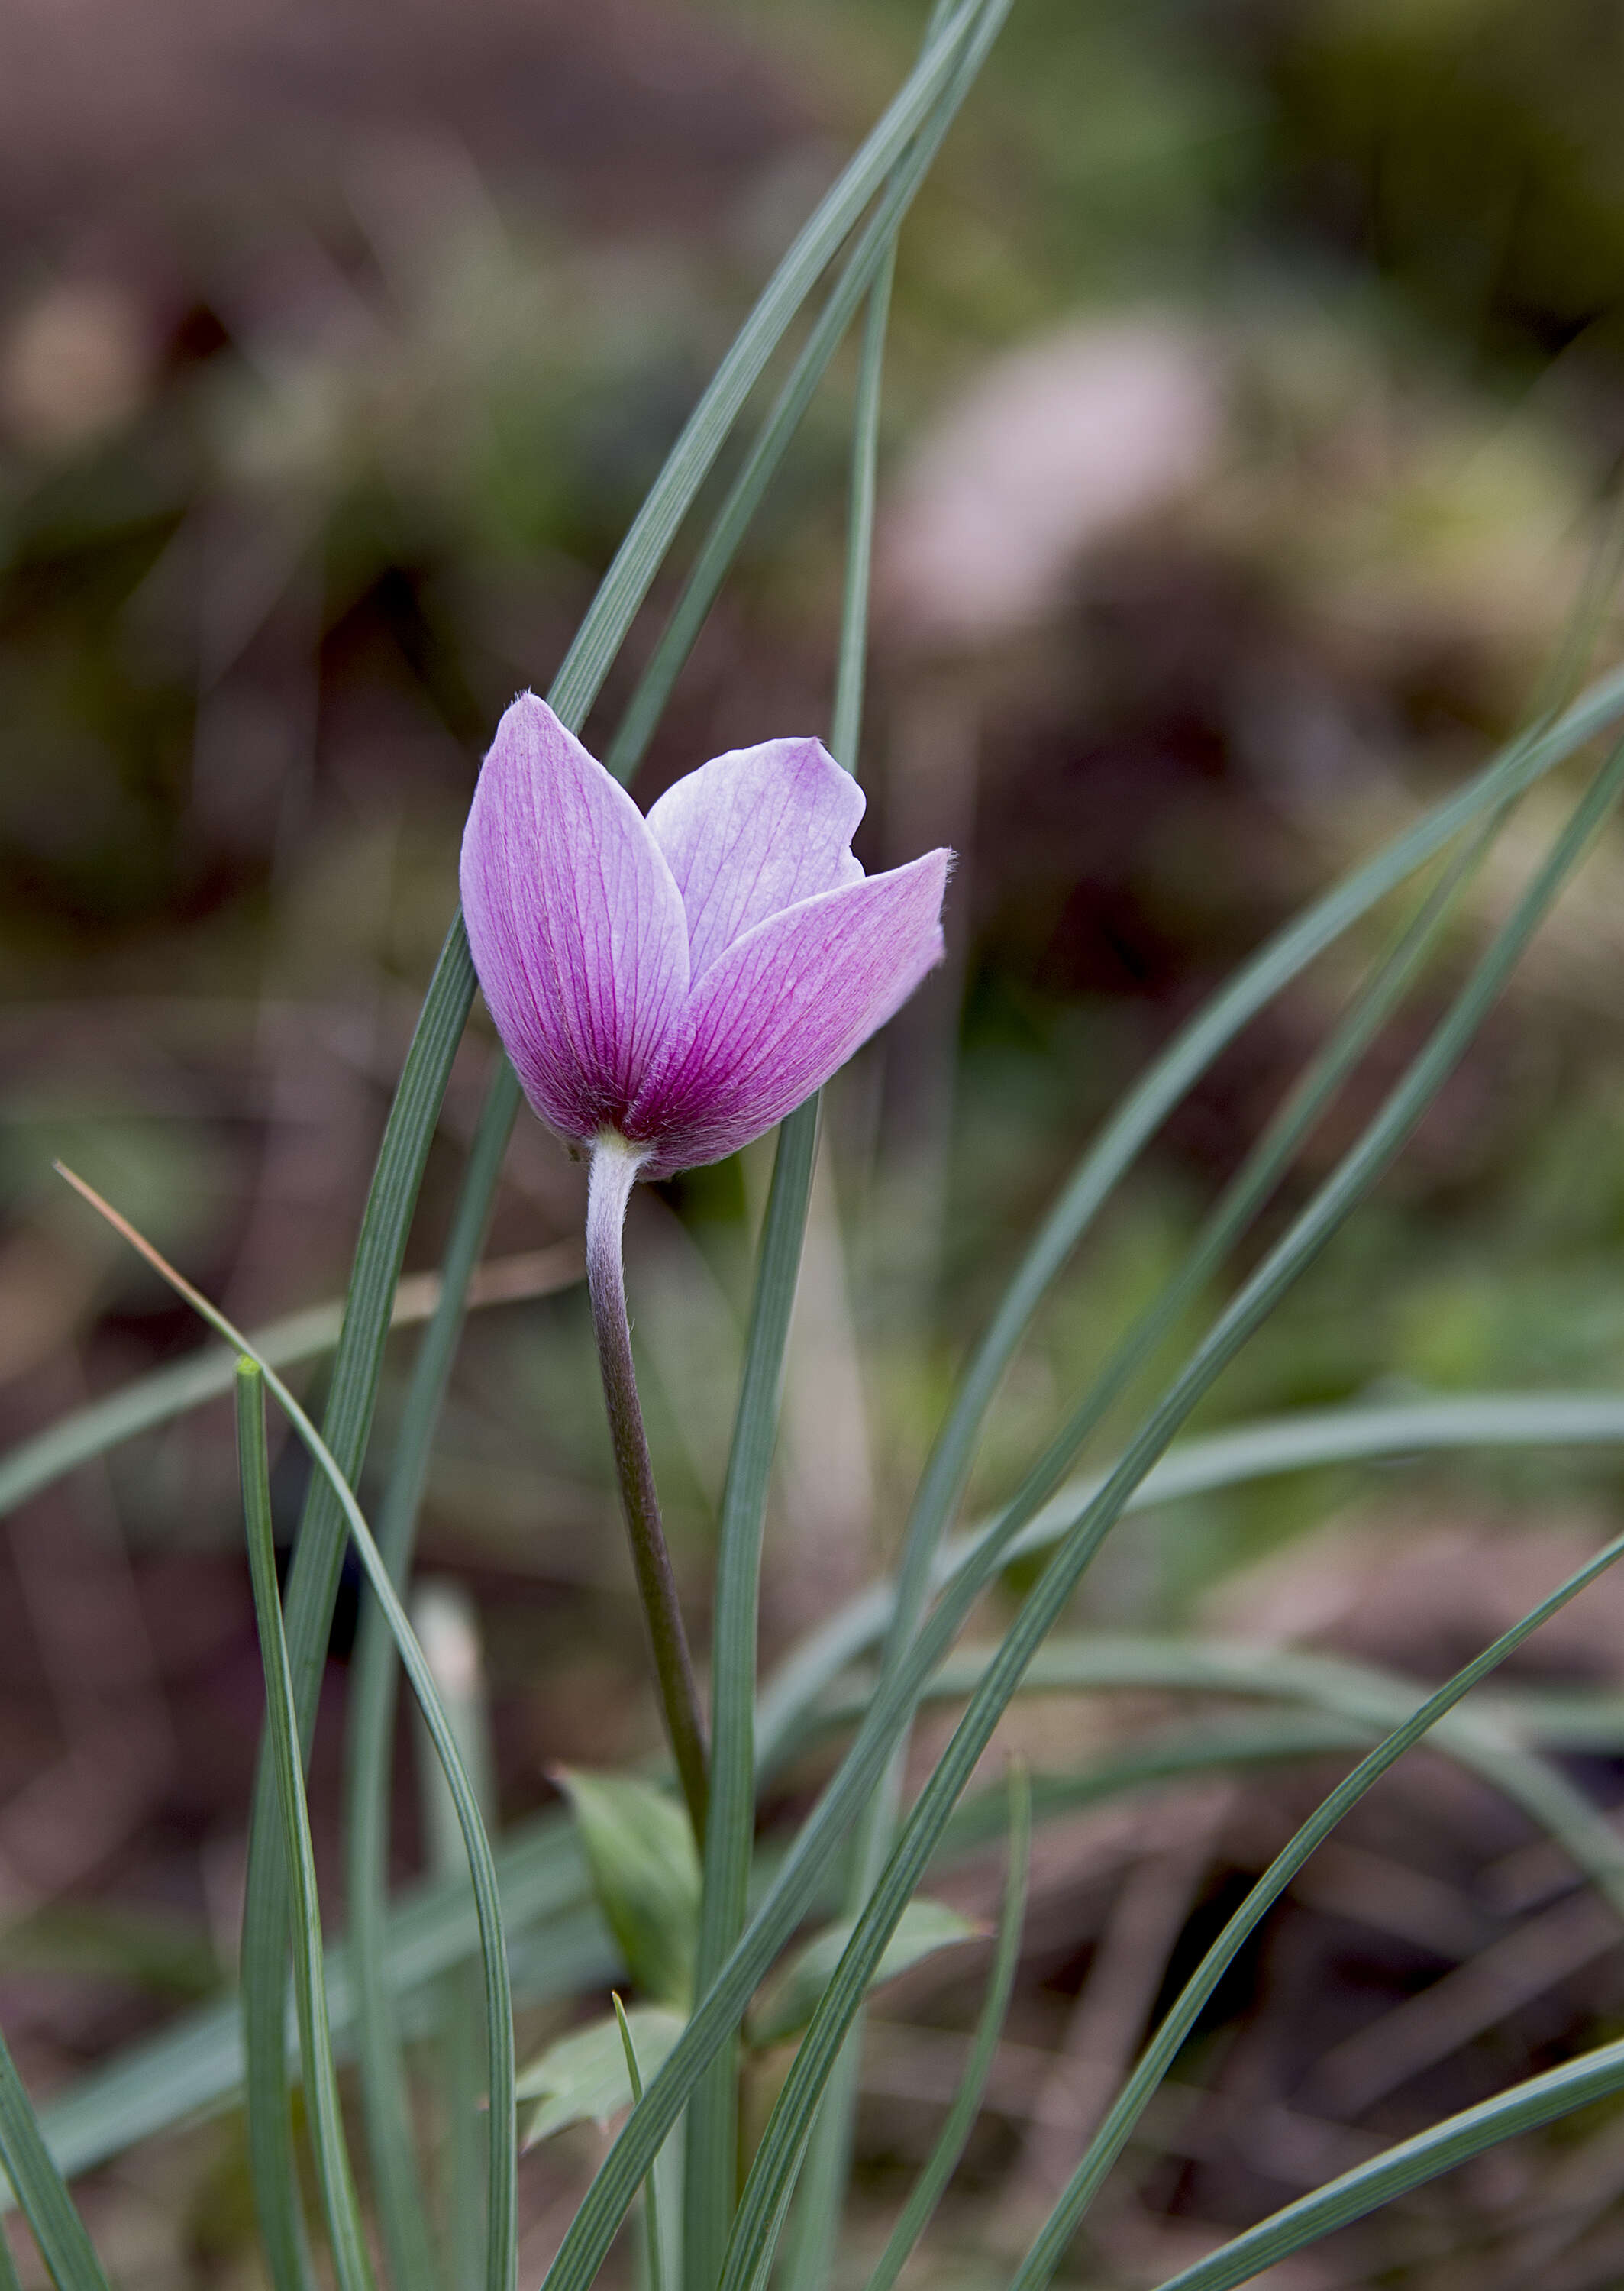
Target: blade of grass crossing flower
820 2203
1050 2247
713 2131
59 2232
873 252
345 2233
958 2122
641 554
749 2250
1527 2107
502 2254
372 1713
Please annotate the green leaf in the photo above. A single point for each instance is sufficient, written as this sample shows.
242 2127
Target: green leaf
791 1996
58 2229
640 1849
585 2077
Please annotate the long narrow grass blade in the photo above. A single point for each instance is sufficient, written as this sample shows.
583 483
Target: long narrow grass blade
1192 1051
9 2280
626 583
651 2201
502 2256
710 2165
1540 2100
775 2159
712 2127
1050 2247
372 1714
821 2199
149 1401
345 2233
449 1630
1314 1439
1490 1745
957 2124
46 2204
312 1586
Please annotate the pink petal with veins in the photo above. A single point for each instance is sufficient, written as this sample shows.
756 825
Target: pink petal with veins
575 921
782 1007
754 832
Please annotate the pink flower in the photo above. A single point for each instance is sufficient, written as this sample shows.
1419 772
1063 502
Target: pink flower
682 981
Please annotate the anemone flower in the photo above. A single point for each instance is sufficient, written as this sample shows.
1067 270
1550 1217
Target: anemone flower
670 987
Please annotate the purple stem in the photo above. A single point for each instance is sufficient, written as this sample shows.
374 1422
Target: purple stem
614 1166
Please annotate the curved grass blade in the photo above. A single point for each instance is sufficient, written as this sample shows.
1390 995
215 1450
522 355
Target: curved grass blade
402 2218
158 1398
312 1587
655 2271
1050 2247
940 2163
749 2250
1539 2101
346 2235
822 2192
9 2280
1194 1049
1488 1744
1313 1439
46 2203
503 2252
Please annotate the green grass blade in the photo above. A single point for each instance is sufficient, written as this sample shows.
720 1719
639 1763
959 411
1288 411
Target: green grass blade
712 2149
948 2146
1313 1439
864 268
1541 2100
820 2203
166 1393
340 2204
312 1586
709 2163
402 2218
776 2157
1194 1049
1491 1744
627 580
46 2203
1049 2247
9 2280
499 2003
655 2275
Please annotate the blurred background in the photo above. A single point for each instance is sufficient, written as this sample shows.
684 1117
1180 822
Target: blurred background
1252 419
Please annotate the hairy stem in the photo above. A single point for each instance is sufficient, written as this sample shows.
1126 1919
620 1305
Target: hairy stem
613 1173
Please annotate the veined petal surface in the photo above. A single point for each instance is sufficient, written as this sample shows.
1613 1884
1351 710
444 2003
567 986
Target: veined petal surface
780 1008
754 832
575 921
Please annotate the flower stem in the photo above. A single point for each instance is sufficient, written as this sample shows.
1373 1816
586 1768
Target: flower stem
614 1172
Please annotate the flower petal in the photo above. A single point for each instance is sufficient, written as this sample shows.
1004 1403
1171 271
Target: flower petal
575 924
786 1005
755 830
